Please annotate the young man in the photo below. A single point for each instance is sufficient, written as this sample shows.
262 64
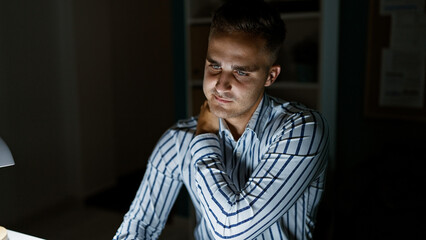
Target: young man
254 165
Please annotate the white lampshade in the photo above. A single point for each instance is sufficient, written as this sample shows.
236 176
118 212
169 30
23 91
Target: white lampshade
6 158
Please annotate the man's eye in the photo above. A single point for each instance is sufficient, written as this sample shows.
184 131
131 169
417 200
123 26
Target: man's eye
241 73
215 67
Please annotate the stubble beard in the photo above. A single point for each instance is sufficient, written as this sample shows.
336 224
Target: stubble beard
221 110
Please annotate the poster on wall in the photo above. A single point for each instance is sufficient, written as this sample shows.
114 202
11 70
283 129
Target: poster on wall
403 63
402 78
396 60
389 7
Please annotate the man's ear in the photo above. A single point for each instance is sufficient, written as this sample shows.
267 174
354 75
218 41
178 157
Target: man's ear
274 71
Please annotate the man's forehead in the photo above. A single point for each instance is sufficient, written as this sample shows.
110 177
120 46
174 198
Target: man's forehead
239 48
236 34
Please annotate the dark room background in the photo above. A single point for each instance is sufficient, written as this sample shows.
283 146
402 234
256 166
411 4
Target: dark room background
88 87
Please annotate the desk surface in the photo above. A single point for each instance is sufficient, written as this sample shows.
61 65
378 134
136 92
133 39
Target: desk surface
12 235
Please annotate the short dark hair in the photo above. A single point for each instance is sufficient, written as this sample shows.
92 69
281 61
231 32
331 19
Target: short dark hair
254 17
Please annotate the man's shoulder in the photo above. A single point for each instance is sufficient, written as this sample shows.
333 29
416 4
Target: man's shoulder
187 123
181 132
284 111
184 126
285 116
288 107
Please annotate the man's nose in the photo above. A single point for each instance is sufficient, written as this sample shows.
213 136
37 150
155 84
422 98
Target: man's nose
223 82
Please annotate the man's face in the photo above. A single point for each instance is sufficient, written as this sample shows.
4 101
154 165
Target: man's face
236 71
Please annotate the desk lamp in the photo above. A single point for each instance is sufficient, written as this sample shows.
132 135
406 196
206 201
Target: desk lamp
6 159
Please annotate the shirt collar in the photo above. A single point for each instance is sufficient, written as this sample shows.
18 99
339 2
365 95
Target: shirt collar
258 120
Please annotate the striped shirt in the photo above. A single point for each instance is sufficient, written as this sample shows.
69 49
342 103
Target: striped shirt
266 185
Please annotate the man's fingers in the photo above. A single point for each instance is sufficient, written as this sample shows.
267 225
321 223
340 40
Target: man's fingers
207 121
205 108
205 105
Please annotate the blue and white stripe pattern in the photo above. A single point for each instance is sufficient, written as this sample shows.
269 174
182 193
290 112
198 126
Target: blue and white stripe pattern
266 185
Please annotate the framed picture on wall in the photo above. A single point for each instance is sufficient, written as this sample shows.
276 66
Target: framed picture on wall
396 60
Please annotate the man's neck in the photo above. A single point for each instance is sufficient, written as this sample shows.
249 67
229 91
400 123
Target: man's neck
236 131
237 126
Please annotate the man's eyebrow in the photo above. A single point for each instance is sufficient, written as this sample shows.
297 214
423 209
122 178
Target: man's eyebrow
246 68
211 60
236 67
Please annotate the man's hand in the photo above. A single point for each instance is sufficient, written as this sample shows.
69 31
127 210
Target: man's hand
207 121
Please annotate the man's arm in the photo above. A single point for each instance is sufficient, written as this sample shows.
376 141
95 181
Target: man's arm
292 161
156 195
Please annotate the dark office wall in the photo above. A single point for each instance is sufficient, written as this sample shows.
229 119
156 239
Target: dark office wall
85 92
144 104
31 109
380 161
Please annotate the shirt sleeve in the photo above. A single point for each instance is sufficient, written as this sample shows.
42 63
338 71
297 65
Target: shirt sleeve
293 159
155 197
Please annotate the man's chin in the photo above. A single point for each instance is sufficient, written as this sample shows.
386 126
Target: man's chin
219 111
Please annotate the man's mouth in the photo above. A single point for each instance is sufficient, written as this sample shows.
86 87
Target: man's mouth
222 99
